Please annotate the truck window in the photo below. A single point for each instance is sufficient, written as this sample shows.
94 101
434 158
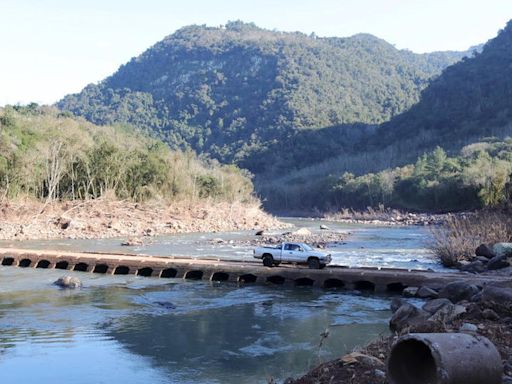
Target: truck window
288 247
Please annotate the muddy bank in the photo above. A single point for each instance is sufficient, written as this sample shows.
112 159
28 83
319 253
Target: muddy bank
103 218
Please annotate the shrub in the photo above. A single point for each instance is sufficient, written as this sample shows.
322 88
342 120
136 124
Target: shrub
460 235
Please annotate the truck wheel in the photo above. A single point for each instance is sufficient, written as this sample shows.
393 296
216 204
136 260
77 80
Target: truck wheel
268 261
313 263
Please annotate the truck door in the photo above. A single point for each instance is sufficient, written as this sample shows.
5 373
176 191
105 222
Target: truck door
292 252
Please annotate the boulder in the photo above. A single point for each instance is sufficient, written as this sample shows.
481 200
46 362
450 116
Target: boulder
435 305
426 293
497 296
468 328
474 267
498 262
502 249
324 227
406 316
447 313
410 292
68 282
458 291
485 250
302 232
259 233
131 242
396 303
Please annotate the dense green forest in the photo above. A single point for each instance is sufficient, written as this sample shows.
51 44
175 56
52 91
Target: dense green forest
48 154
325 122
469 102
234 92
479 176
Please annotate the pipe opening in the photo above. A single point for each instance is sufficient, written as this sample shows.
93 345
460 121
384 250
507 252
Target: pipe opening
43 264
81 267
364 285
62 265
194 275
25 263
304 282
395 287
121 270
333 283
100 268
220 276
146 272
276 280
169 273
247 278
412 362
8 261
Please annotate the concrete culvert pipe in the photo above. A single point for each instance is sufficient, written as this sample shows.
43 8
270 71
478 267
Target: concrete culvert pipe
444 358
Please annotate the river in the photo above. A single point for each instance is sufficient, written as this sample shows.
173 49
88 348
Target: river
142 330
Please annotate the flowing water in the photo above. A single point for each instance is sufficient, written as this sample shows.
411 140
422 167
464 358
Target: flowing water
133 329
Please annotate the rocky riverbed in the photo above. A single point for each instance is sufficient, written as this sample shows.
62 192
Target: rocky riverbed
459 307
318 239
104 218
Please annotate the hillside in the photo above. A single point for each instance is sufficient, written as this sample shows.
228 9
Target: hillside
236 91
48 155
470 101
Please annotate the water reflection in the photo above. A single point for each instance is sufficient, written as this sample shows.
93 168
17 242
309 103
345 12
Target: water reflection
133 330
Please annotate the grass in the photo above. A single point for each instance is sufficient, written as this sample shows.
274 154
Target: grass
458 237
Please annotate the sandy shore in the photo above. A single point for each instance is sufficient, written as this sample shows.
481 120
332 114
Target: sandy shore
103 218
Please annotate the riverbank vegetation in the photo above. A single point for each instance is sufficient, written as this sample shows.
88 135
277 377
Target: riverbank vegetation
479 176
48 155
459 236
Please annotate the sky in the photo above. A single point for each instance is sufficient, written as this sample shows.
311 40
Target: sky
50 48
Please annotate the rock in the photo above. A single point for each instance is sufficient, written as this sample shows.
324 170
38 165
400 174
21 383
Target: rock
302 232
410 291
68 282
435 305
259 233
357 357
131 242
502 297
458 291
489 314
448 313
485 250
502 249
474 267
166 304
498 262
426 293
468 328
396 303
63 222
405 317
324 227
218 240
483 259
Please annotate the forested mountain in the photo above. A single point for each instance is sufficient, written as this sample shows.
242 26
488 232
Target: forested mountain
468 107
236 92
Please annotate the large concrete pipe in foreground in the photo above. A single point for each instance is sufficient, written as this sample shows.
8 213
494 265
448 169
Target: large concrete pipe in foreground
444 358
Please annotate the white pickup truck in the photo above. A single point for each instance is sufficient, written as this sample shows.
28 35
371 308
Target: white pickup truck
299 253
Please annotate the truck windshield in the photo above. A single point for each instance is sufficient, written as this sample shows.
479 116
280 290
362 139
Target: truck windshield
307 247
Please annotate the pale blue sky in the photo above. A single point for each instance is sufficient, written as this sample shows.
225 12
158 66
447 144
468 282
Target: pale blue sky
53 47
